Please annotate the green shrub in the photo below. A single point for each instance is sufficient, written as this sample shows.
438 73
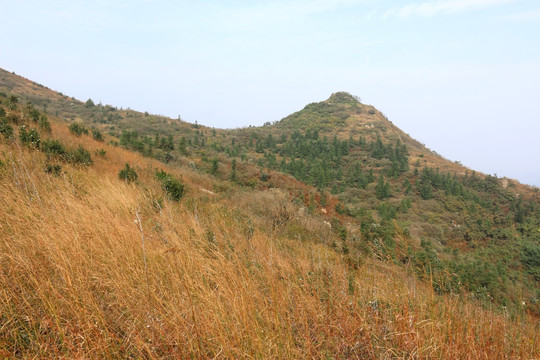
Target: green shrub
341 209
5 129
97 135
55 169
530 257
12 102
174 187
29 137
78 129
53 147
128 174
79 156
161 175
32 113
214 170
89 103
44 124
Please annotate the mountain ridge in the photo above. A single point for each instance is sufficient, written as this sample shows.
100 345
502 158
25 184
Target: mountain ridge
36 93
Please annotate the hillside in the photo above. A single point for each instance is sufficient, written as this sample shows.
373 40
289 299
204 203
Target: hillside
467 230
249 243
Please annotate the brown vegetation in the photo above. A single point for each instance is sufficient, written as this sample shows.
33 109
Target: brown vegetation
240 274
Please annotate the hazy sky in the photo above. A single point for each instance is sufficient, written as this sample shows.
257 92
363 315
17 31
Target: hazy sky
461 76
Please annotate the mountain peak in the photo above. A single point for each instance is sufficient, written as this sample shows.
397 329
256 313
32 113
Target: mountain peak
343 97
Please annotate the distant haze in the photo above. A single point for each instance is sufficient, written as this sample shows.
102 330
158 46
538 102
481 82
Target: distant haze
461 76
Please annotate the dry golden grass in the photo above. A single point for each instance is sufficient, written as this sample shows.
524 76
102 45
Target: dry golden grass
221 279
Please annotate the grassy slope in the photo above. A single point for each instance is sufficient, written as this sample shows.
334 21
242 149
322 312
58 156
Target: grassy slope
223 277
231 271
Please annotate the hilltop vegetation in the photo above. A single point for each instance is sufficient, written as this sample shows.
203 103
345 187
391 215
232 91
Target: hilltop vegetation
327 234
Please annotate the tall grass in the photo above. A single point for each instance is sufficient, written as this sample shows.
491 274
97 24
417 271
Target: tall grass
221 279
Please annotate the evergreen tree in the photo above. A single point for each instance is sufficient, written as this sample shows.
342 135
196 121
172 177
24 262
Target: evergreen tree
182 146
89 103
377 149
233 170
215 167
370 177
382 190
170 143
259 146
425 190
407 186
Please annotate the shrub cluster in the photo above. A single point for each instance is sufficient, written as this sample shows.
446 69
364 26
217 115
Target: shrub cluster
128 174
54 169
5 129
97 135
78 129
53 147
29 137
79 156
174 187
44 123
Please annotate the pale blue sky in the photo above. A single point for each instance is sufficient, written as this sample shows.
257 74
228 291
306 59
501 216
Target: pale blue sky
461 76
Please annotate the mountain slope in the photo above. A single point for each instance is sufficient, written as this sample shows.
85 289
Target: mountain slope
465 231
94 266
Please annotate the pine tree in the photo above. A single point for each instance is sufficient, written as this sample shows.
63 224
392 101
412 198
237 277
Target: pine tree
182 146
233 170
382 190
425 190
407 186
214 169
370 177
377 149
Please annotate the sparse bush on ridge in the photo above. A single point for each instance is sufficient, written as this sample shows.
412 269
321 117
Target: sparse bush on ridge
89 103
